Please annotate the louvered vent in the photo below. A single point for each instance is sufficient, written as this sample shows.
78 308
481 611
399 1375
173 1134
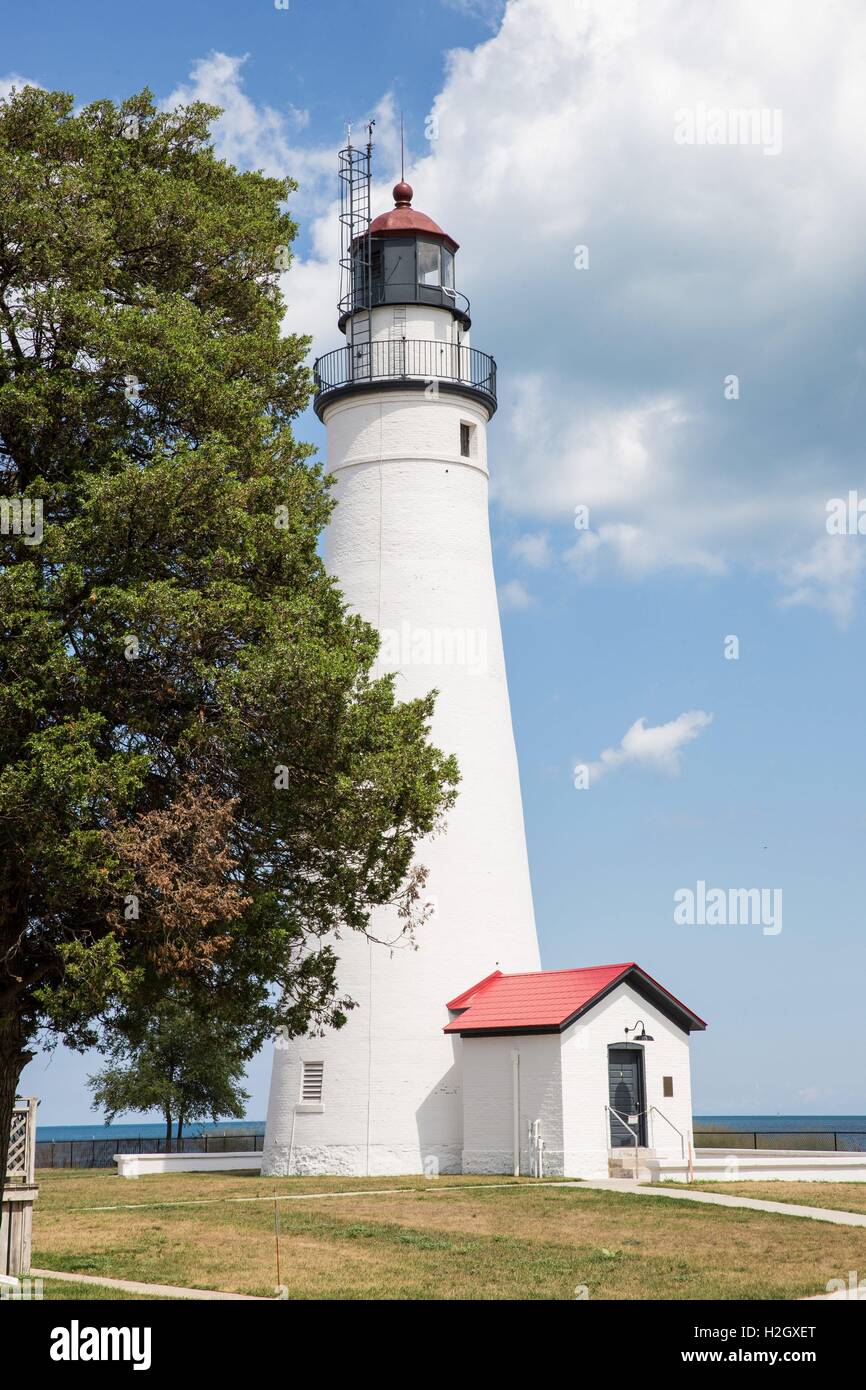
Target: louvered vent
312 1081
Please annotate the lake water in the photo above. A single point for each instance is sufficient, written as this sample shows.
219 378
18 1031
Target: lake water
145 1131
767 1124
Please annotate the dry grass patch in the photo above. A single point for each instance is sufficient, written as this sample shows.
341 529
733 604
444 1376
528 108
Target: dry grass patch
65 1188
838 1196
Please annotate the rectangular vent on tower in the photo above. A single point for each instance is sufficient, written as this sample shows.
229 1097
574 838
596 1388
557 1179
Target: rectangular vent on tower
312 1082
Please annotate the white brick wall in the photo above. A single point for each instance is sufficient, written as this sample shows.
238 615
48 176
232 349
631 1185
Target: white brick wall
421 322
488 1145
585 1080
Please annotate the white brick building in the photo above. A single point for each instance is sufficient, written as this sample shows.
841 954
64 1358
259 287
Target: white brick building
594 1063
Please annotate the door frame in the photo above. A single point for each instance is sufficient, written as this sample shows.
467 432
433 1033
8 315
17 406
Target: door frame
641 1081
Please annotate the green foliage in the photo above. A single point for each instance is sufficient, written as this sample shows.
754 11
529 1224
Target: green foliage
93 978
186 1064
189 732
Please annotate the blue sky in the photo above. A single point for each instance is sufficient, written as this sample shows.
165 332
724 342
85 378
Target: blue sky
707 515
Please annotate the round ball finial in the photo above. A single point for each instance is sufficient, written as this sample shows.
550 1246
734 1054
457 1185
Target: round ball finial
403 194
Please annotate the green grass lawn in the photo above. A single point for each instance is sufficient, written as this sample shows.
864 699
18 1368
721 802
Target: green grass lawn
54 1290
449 1238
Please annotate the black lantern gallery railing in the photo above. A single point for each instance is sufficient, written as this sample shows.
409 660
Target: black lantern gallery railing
384 292
368 366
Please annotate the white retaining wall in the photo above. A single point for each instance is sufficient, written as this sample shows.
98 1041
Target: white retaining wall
138 1165
763 1165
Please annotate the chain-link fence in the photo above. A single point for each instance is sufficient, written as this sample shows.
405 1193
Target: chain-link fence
818 1140
99 1153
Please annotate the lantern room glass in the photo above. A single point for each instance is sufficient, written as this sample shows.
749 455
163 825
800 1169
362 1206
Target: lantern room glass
428 263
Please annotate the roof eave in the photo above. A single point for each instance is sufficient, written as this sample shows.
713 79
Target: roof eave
673 1009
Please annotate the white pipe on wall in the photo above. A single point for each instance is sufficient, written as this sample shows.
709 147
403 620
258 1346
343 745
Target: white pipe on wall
515 1100
292 1141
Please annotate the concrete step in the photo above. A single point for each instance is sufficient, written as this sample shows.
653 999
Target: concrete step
620 1163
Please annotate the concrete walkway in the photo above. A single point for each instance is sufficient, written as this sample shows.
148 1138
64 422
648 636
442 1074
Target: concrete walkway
627 1185
132 1286
718 1199
430 1191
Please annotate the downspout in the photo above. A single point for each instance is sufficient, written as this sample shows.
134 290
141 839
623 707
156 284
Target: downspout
370 1021
515 1100
292 1141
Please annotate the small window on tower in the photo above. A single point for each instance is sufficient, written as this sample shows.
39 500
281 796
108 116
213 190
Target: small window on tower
465 440
667 1085
312 1082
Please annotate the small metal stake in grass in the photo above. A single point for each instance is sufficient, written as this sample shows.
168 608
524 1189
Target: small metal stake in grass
277 1238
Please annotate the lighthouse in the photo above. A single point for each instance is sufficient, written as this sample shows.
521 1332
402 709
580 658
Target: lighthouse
406 403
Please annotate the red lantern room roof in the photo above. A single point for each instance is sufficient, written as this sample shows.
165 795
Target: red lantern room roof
404 220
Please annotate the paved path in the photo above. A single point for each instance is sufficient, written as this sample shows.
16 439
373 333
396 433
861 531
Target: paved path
433 1190
718 1199
131 1286
626 1185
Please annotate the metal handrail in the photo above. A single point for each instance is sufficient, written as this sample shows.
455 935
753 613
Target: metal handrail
673 1127
634 1136
401 359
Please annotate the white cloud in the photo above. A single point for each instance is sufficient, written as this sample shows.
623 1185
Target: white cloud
257 137
533 549
14 80
640 550
514 596
828 576
657 748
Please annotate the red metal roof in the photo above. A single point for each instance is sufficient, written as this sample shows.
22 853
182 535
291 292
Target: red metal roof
546 1000
403 219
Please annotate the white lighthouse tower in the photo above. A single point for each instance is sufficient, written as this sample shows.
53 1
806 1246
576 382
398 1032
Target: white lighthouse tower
406 404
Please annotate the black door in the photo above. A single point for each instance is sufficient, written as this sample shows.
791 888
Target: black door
625 1068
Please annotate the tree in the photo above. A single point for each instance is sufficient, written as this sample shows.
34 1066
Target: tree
200 779
186 1064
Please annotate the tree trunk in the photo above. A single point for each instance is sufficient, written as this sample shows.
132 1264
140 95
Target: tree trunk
168 1131
180 1133
14 1056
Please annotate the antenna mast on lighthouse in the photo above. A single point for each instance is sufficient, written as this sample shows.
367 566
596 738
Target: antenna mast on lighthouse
355 169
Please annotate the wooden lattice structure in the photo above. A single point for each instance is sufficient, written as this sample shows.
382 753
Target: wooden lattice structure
21 1163
19 1190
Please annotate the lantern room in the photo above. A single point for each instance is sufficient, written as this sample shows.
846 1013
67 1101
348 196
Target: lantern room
404 258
